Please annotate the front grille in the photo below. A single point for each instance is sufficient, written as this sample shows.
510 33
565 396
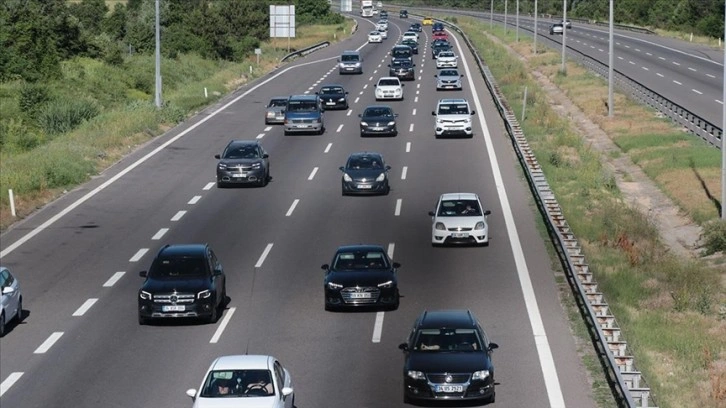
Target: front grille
455 378
303 121
353 295
459 229
175 298
240 168
453 121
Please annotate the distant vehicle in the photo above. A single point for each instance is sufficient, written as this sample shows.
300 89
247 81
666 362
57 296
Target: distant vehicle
275 110
427 21
366 8
350 62
389 88
439 45
437 26
404 69
184 281
333 96
304 114
447 59
378 120
365 173
415 27
403 14
440 35
243 162
244 381
400 51
567 23
375 37
556 28
360 276
11 299
448 78
453 118
413 35
448 356
459 219
384 34
383 14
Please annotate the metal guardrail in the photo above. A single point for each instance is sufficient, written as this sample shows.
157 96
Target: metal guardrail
630 387
305 51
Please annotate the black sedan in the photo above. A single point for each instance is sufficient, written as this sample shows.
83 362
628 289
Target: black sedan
333 97
415 27
243 162
439 45
411 43
360 276
365 173
448 357
403 69
378 120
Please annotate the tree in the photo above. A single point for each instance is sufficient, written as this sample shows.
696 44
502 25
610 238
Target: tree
91 14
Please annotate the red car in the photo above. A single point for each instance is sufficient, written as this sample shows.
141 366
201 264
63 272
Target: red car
440 35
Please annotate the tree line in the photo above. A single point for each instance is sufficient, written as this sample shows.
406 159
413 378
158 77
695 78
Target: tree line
36 35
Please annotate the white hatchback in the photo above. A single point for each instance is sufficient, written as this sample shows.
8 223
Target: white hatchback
389 88
459 219
447 59
244 381
410 34
12 300
375 37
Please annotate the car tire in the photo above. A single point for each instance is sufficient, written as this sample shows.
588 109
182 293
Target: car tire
214 315
143 321
2 324
19 315
220 184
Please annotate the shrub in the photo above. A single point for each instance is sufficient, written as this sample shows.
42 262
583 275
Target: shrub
714 237
16 136
32 97
62 116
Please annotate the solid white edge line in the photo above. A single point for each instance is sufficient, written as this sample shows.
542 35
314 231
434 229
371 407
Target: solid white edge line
312 173
194 200
397 212
378 327
159 234
10 248
223 325
8 382
404 170
113 279
178 216
264 255
85 306
547 363
292 207
48 343
139 254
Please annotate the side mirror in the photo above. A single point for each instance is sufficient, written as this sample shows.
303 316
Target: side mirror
389 65
375 85
462 75
325 267
317 93
264 156
395 115
431 213
143 274
346 92
192 393
404 346
388 167
433 113
396 265
436 76
360 115
286 391
341 168
473 112
487 212
217 272
216 156
493 346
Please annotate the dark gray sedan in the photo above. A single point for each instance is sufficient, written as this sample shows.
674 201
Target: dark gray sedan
378 120
243 162
365 173
333 97
403 69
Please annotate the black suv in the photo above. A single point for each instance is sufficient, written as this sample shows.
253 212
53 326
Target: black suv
448 357
403 14
184 280
402 68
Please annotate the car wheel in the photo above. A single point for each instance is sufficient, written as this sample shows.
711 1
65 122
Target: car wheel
143 321
19 316
213 316
491 399
2 324
220 184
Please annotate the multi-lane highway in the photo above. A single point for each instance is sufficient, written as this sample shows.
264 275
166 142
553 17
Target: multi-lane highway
78 259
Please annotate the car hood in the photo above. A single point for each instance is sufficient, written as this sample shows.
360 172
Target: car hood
377 119
368 174
445 58
369 277
241 402
464 222
179 285
234 162
448 361
449 78
326 97
388 87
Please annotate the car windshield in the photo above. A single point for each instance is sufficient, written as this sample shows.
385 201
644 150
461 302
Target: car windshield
447 340
178 266
360 260
331 90
389 82
400 63
374 33
349 58
242 152
302 106
401 53
449 73
364 162
446 54
454 109
377 112
238 383
459 208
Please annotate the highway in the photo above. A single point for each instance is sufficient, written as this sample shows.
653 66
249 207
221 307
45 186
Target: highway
78 259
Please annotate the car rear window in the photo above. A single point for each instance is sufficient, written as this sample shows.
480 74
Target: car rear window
277 102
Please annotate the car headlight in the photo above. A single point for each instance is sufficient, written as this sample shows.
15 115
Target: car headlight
480 375
357 64
479 225
392 123
381 177
145 295
385 285
341 99
204 294
416 375
440 226
222 166
399 90
347 178
270 114
439 121
333 285
256 166
365 124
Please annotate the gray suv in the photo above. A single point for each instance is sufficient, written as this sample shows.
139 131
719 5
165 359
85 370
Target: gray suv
304 114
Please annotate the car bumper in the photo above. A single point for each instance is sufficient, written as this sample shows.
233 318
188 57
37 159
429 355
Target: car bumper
375 40
475 237
386 297
232 177
151 310
360 188
304 128
410 76
335 105
382 131
275 119
389 96
350 70
454 131
446 64
441 87
423 390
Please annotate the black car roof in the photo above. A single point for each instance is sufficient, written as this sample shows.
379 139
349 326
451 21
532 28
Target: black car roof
363 154
242 142
455 319
360 247
303 98
183 250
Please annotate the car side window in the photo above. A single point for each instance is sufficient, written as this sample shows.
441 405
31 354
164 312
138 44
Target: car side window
280 375
4 279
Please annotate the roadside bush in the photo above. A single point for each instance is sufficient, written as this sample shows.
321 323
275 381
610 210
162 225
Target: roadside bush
16 136
32 97
62 116
714 237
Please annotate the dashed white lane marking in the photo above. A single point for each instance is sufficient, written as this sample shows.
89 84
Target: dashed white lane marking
718 101
710 76
661 58
410 127
659 74
391 248
327 148
85 306
621 58
692 69
292 207
697 91
208 186
414 112
415 99
139 254
601 50
646 68
648 54
194 200
357 99
260 136
8 382
676 82
268 128
350 111
340 127
404 170
178 216
637 49
378 327
397 212
48 343
676 63
408 147
223 325
160 234
312 173
365 86
113 279
264 255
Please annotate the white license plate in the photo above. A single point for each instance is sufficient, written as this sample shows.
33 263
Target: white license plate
365 186
239 175
303 126
378 129
361 295
460 234
449 388
330 103
349 69
172 308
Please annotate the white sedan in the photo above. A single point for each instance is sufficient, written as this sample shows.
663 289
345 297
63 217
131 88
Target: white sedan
447 59
389 88
375 37
244 381
384 34
459 219
11 299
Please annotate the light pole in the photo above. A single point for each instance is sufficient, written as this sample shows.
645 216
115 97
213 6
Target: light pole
611 61
491 15
157 92
505 17
517 24
564 35
723 129
535 27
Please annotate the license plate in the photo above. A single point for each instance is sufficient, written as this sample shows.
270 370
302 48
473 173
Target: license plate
330 103
360 295
460 234
449 388
172 308
364 186
378 129
349 69
303 126
239 175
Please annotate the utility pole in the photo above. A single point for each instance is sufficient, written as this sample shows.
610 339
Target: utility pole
564 35
535 27
611 61
157 92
